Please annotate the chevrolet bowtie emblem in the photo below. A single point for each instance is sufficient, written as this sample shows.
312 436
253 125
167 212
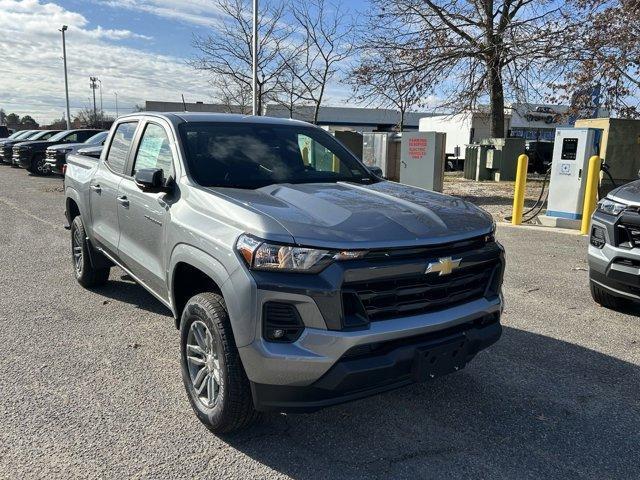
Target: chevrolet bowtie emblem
444 266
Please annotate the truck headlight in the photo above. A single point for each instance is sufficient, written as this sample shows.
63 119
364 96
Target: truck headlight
610 207
261 255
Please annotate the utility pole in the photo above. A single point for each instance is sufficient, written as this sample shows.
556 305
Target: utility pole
66 82
101 110
255 58
116 94
93 83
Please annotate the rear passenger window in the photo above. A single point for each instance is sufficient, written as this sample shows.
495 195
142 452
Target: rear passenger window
154 151
122 138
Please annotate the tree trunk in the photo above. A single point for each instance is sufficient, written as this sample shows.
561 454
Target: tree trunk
401 126
496 99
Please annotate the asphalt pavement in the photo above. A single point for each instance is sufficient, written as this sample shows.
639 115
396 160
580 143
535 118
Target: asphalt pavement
90 383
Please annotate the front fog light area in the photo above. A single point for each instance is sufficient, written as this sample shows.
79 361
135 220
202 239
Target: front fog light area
598 238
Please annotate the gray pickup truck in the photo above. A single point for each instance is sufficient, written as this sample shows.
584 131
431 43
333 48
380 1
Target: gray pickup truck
298 279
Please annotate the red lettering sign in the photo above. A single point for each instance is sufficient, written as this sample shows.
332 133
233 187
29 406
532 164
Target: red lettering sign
417 148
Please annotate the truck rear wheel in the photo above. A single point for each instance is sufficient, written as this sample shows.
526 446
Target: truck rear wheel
86 274
213 376
604 298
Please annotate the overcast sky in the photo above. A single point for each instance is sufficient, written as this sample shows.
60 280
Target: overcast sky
137 48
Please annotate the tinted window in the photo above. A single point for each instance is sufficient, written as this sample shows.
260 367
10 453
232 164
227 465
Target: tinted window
42 135
84 134
244 155
154 150
98 138
59 136
122 138
15 135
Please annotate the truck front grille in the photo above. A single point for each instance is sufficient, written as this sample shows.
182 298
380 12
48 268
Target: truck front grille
416 294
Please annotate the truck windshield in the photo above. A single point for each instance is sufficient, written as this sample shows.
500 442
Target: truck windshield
244 155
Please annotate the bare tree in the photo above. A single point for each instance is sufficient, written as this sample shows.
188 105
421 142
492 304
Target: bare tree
226 53
376 82
601 61
474 50
326 32
235 96
291 91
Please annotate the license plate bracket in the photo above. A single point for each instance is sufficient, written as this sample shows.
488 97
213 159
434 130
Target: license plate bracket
432 361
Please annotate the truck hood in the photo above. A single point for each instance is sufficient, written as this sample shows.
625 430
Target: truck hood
345 215
37 144
629 193
64 146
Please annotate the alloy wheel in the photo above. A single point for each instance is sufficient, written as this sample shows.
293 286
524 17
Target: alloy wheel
76 246
203 363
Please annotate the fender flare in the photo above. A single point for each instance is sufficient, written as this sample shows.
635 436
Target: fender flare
214 269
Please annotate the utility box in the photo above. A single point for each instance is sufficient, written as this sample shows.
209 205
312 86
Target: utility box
619 148
351 140
502 158
493 159
382 149
572 150
422 157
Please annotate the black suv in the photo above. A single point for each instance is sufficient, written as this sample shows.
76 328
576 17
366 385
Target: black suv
31 154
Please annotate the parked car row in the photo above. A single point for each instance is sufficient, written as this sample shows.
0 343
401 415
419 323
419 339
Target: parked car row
43 152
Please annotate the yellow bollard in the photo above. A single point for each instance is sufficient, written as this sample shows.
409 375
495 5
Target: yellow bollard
518 194
590 193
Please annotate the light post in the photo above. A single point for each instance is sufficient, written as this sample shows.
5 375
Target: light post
66 82
101 110
116 94
93 85
255 57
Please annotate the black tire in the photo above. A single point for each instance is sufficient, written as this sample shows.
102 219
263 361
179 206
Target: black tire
232 409
86 274
39 166
604 298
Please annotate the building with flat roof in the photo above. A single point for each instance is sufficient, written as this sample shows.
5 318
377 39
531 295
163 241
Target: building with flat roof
334 118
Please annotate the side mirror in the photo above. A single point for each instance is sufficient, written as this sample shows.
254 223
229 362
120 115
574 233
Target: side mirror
150 180
377 171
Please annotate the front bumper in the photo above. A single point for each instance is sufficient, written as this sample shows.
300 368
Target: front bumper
318 368
379 361
616 266
55 161
5 155
22 159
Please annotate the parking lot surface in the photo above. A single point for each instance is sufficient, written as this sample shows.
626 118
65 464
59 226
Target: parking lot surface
90 383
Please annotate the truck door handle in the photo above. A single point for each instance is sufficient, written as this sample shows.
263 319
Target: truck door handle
122 200
96 188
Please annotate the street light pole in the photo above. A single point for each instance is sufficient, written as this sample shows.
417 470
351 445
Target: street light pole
66 82
101 110
255 57
93 84
116 94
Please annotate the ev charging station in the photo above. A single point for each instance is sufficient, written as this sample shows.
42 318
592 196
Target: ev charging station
422 157
572 150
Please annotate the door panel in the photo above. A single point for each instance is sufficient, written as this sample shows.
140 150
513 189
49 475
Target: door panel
143 216
104 212
142 232
104 188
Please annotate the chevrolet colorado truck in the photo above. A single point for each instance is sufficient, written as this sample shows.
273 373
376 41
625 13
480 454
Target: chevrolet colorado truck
297 278
614 248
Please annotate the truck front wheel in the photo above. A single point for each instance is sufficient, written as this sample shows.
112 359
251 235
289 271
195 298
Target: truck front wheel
213 376
604 298
86 274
